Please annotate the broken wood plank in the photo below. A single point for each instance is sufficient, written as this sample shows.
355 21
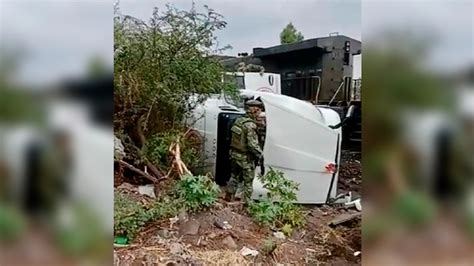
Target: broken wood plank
343 218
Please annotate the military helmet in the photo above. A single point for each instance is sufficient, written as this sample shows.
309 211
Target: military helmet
254 103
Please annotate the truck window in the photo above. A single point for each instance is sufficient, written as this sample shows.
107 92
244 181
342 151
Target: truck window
237 80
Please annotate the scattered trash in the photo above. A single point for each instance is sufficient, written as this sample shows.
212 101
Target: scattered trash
190 227
229 242
245 251
342 218
148 190
222 225
279 235
357 253
356 203
120 240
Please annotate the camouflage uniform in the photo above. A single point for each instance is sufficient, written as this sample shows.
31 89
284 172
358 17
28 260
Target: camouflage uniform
244 153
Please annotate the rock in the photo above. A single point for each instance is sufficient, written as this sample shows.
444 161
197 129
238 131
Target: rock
245 251
190 227
119 149
173 220
164 233
176 248
222 225
279 235
212 235
148 190
229 242
183 216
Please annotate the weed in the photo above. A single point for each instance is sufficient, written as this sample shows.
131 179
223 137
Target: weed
278 210
129 216
197 192
268 246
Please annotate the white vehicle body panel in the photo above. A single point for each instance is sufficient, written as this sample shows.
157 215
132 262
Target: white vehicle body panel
298 142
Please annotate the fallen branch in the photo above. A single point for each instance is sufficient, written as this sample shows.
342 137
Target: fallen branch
178 164
136 170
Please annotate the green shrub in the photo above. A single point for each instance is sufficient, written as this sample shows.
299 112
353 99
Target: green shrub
268 246
129 216
12 223
278 210
197 192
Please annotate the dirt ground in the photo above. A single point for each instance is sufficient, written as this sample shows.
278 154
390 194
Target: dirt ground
162 243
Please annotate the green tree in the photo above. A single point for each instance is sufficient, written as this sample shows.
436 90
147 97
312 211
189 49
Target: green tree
290 35
163 68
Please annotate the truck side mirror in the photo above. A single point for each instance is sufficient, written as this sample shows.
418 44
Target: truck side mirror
350 111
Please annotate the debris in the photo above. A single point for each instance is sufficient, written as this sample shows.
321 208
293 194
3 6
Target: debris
203 243
164 233
173 220
245 251
224 225
356 203
121 240
136 170
279 235
190 227
148 190
229 242
357 253
342 218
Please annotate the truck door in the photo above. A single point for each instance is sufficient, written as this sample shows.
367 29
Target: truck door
224 124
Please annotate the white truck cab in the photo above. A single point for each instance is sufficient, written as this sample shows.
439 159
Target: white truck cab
299 142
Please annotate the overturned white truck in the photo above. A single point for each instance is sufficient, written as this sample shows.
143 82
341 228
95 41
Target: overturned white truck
302 141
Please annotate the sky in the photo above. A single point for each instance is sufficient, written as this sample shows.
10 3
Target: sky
259 23
58 37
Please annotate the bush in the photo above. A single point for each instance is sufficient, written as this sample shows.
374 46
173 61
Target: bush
278 210
197 192
12 223
194 193
129 216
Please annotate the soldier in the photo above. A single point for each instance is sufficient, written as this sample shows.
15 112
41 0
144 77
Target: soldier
245 151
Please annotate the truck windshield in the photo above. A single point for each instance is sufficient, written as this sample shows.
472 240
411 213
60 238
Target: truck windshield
237 80
237 101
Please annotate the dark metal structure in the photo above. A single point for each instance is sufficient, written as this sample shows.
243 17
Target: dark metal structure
311 70
317 70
